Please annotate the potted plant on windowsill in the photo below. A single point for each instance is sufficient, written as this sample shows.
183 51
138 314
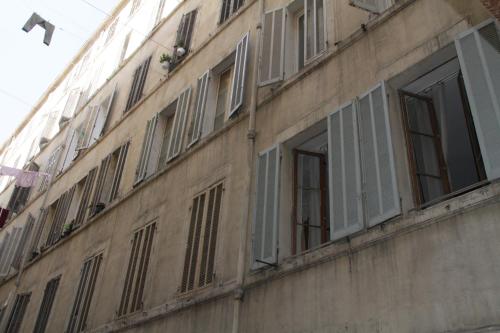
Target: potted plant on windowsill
180 50
165 61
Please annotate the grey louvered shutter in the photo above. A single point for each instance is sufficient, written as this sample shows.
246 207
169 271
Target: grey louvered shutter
83 207
72 103
84 137
142 167
10 250
479 53
6 244
273 47
381 198
18 256
180 117
239 75
346 212
101 117
101 177
199 109
122 157
185 30
266 219
35 240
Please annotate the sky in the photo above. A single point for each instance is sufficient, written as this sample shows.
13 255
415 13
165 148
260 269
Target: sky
27 66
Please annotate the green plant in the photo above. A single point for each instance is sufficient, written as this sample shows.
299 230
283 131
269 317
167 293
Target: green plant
165 58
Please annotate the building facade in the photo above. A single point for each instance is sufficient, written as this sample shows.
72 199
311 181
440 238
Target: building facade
288 166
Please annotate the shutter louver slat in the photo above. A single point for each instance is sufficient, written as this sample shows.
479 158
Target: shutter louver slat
17 314
479 55
238 83
19 254
213 234
189 244
46 306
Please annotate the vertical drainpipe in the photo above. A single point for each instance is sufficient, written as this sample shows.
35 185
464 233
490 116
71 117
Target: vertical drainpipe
246 221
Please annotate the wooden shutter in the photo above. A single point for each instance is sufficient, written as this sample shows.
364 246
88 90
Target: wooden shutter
273 47
84 294
193 241
239 75
135 278
50 168
70 149
18 256
46 306
199 109
479 54
185 30
84 137
117 177
266 217
6 246
142 167
138 81
17 313
381 198
35 240
101 178
60 216
210 236
102 116
83 207
180 117
10 251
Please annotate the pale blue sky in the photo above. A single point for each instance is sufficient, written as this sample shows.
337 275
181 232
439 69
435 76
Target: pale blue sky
27 66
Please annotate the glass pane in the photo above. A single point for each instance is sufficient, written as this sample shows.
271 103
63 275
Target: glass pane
418 115
432 188
425 155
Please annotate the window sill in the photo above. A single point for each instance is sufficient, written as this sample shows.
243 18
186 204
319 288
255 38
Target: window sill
406 223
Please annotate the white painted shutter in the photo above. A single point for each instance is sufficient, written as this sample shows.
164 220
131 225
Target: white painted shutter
273 47
381 198
479 53
70 150
199 108
10 251
146 149
266 219
101 117
117 177
84 136
373 6
346 211
239 74
72 103
180 117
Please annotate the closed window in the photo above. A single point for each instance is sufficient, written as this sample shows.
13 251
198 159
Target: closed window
46 306
199 262
84 294
17 313
135 279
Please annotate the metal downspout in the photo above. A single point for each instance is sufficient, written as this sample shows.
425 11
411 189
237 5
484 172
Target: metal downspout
246 222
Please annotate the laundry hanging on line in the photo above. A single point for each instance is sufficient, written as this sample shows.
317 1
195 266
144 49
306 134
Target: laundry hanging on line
23 178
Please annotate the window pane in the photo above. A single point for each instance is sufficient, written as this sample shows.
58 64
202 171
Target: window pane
222 99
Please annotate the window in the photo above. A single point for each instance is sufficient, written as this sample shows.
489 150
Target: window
20 195
84 293
109 178
50 169
291 38
37 234
124 48
222 104
17 313
135 279
111 31
180 118
155 143
202 238
135 5
229 7
354 157
70 151
74 98
140 75
46 306
59 213
184 37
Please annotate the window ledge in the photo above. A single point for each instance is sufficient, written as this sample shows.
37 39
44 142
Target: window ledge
409 222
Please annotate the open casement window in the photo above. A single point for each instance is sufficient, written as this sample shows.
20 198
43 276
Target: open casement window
109 179
266 216
21 247
479 54
84 293
18 198
83 207
180 118
17 313
60 217
239 75
229 7
138 82
45 308
372 6
11 242
199 261
195 127
273 47
363 189
147 143
137 269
